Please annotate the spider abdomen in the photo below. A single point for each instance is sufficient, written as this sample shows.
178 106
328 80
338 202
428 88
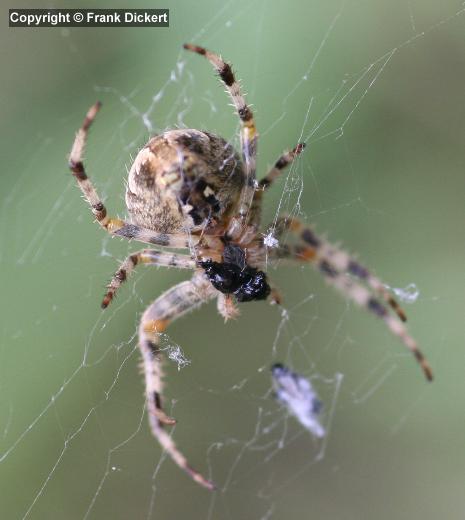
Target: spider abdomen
182 179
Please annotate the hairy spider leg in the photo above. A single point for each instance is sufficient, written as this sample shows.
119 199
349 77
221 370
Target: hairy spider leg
335 264
249 137
172 304
148 257
227 307
283 162
255 212
114 226
341 260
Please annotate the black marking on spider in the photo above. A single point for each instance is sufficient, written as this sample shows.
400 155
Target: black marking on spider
77 168
98 206
327 269
196 217
153 349
127 231
99 210
157 399
376 307
200 185
213 202
357 270
192 142
226 74
246 283
233 254
131 231
201 196
162 240
245 114
121 275
281 163
310 238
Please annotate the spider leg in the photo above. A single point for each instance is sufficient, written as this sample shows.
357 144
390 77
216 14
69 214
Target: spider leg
149 257
175 302
114 226
335 265
282 163
249 136
340 259
255 211
275 297
227 307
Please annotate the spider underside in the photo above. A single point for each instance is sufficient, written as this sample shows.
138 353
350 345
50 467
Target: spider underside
189 189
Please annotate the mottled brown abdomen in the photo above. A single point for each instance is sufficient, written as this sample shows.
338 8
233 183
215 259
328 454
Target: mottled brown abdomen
184 179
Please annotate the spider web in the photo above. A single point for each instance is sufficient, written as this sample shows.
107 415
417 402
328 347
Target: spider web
344 78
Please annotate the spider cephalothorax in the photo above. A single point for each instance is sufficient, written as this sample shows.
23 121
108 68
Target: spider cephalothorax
189 189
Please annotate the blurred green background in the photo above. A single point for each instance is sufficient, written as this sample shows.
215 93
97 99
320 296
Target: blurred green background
384 172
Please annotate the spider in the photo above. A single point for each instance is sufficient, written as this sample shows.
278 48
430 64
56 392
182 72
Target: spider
189 189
